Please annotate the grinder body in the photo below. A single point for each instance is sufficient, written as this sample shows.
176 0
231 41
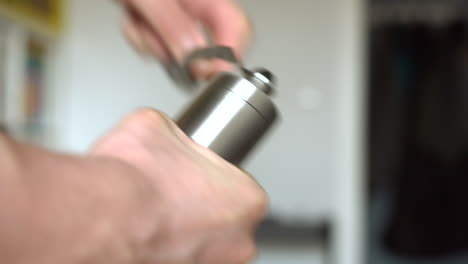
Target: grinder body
232 113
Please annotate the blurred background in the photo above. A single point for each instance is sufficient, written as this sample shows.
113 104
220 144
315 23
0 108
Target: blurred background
369 163
68 75
417 131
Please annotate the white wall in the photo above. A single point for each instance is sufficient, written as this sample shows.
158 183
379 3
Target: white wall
295 165
14 63
310 165
99 77
350 127
317 50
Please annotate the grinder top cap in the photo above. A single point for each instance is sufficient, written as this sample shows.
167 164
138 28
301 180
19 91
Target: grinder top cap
262 78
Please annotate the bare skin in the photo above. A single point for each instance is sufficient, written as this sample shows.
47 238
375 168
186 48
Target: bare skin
145 193
170 29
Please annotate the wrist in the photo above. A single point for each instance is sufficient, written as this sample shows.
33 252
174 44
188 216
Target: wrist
69 209
127 210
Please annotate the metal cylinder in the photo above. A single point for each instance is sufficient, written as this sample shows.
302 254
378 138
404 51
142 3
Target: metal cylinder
232 113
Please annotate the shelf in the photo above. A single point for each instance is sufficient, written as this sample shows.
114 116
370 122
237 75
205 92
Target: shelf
275 231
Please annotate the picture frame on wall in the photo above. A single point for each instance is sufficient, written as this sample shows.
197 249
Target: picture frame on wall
23 82
34 81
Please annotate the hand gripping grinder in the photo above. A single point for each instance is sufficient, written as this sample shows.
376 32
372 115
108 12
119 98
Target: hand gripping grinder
233 112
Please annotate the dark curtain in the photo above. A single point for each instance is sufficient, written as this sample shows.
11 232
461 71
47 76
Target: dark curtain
419 135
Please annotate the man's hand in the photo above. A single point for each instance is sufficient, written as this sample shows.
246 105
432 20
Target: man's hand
171 29
145 194
207 209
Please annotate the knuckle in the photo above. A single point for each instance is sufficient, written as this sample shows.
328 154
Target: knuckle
256 198
248 253
258 202
148 118
146 125
257 209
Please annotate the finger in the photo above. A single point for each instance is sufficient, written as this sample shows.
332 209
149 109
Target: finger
148 42
227 24
225 20
142 37
155 43
133 35
179 32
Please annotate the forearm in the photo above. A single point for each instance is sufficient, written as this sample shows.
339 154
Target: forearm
60 208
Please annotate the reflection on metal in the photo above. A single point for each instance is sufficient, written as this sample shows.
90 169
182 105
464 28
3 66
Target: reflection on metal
231 114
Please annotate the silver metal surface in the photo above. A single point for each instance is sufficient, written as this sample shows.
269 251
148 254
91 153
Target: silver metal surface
262 78
232 113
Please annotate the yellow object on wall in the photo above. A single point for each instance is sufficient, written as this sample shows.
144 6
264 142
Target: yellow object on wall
43 16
